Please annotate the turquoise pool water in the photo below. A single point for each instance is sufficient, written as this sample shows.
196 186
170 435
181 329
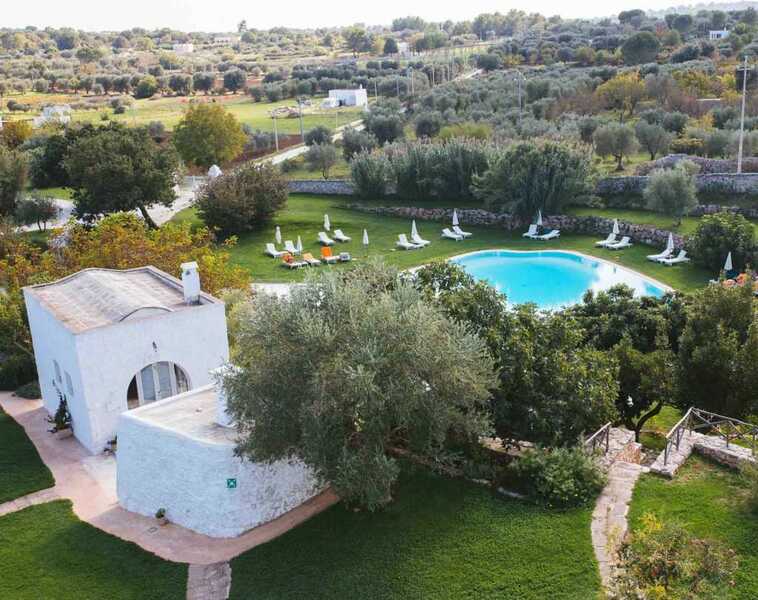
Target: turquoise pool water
550 279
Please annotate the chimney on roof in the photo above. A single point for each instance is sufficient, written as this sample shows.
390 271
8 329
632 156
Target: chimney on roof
191 282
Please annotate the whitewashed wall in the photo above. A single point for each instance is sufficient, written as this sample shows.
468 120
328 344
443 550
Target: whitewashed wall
102 361
159 468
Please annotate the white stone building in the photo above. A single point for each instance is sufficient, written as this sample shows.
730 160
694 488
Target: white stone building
113 340
183 48
357 97
178 455
718 34
60 113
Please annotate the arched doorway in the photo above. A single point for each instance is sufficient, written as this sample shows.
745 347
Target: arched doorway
156 382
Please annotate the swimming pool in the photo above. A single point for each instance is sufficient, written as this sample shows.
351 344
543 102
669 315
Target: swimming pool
553 278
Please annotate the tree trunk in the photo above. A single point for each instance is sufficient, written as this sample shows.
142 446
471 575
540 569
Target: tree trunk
644 418
619 166
146 215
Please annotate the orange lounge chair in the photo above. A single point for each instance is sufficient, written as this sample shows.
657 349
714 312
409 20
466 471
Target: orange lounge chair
327 256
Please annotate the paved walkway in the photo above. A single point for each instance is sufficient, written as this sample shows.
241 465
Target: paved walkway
609 524
89 481
209 582
23 502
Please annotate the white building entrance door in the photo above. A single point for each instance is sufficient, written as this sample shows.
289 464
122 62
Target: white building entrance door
156 382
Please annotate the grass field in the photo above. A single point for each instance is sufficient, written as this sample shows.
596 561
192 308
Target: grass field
21 469
440 538
709 501
304 217
169 111
47 553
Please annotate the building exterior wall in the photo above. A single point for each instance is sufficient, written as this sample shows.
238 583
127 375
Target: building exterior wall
54 343
358 97
190 479
195 339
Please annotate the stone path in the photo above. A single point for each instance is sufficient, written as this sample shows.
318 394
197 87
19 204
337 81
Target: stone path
609 524
41 497
714 447
209 582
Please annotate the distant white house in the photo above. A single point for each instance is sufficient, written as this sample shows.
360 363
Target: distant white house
59 113
226 40
403 49
357 97
183 48
110 341
718 34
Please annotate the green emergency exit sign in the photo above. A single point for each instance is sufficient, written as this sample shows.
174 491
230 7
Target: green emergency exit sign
231 484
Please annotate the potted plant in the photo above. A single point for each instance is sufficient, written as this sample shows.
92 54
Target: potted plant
61 421
111 445
160 514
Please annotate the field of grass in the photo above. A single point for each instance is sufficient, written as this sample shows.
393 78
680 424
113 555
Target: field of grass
46 552
169 111
709 501
301 170
21 469
304 217
440 538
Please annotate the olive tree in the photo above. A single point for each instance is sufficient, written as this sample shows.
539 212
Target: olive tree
672 191
615 140
321 157
348 367
653 138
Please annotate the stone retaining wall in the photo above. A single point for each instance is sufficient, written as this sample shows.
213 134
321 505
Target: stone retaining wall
707 165
588 225
337 187
725 183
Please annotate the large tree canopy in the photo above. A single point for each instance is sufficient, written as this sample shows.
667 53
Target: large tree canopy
208 135
120 169
349 366
529 176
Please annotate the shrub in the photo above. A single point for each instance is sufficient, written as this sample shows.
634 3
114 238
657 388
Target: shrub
370 174
559 478
675 122
243 199
16 370
428 124
663 560
318 135
146 87
687 145
717 235
62 418
38 209
672 191
29 391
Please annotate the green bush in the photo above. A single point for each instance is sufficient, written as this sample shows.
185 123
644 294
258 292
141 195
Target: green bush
370 174
559 478
16 370
243 199
318 135
29 391
717 235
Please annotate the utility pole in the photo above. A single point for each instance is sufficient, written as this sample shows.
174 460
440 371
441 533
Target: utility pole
397 86
518 81
276 133
300 114
376 92
410 70
742 116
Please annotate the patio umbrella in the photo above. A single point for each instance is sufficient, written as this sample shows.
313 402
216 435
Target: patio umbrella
214 172
455 218
728 264
670 242
299 246
278 235
414 231
327 225
615 227
365 237
539 218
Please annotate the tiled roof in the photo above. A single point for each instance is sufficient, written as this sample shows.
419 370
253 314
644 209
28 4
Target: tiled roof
97 297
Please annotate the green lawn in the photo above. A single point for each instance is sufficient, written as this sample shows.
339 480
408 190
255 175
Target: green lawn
47 553
304 216
169 111
300 169
440 538
21 469
708 500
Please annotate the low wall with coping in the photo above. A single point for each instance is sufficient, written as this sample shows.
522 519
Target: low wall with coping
332 187
724 183
586 225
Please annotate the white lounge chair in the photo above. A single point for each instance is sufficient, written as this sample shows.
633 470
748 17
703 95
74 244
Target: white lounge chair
324 239
551 235
460 231
419 241
311 260
294 264
665 254
340 237
531 233
402 242
611 239
679 258
624 243
446 233
290 247
272 251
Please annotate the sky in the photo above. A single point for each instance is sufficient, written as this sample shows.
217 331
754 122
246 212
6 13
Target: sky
223 15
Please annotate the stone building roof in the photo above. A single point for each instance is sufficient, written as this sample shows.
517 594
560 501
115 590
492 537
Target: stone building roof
98 297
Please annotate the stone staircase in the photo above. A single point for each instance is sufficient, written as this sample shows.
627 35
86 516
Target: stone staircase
714 447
